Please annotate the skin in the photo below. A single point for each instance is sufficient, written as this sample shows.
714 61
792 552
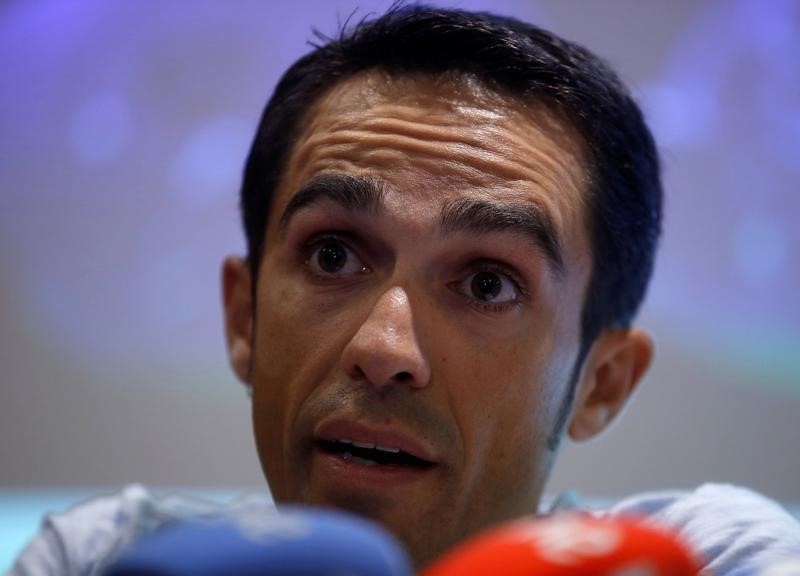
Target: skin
397 339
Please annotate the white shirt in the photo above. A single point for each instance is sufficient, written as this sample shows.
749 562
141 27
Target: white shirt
731 528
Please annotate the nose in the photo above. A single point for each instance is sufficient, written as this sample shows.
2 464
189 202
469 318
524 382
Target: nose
385 350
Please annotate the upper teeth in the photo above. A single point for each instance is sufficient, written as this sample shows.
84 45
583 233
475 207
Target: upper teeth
369 445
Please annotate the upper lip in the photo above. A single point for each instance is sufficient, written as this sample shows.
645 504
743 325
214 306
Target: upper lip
332 430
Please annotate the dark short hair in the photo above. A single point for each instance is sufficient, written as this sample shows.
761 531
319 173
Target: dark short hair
624 194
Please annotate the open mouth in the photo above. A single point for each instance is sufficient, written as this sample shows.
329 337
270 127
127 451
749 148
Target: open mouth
371 454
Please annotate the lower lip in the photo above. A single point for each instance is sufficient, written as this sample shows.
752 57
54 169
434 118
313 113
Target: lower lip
333 468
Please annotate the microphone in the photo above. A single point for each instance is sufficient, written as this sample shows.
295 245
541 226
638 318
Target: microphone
289 542
569 545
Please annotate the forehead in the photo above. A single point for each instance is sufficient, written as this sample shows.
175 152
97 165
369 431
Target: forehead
434 139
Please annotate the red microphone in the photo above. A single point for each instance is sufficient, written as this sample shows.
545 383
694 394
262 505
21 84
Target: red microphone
568 545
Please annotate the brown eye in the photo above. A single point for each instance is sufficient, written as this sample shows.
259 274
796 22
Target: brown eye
486 286
332 257
490 286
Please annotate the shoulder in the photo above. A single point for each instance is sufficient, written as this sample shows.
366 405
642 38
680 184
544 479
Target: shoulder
83 539
74 541
728 526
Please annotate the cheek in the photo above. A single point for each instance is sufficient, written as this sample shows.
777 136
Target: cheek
278 345
507 392
281 349
294 351
506 405
297 346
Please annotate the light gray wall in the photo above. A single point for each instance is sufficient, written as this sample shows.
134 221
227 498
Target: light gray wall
124 127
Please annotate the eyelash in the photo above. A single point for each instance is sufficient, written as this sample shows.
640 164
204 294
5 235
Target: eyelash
308 248
500 269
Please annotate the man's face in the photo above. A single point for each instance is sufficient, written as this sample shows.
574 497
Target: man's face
418 306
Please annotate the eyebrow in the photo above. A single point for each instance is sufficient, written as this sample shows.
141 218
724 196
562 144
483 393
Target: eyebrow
353 193
527 219
365 194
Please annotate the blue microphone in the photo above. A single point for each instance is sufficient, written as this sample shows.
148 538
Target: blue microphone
290 542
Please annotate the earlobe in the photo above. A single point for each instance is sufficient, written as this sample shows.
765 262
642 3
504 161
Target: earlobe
613 368
238 304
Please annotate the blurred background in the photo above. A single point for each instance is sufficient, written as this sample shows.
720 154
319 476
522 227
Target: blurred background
123 130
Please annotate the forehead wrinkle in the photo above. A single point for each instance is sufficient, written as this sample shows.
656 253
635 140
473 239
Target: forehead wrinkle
446 123
501 145
453 100
362 146
482 147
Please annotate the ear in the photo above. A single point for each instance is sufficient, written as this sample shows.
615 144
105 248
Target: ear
238 303
614 366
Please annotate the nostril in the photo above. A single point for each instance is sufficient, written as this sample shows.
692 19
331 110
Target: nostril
402 377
